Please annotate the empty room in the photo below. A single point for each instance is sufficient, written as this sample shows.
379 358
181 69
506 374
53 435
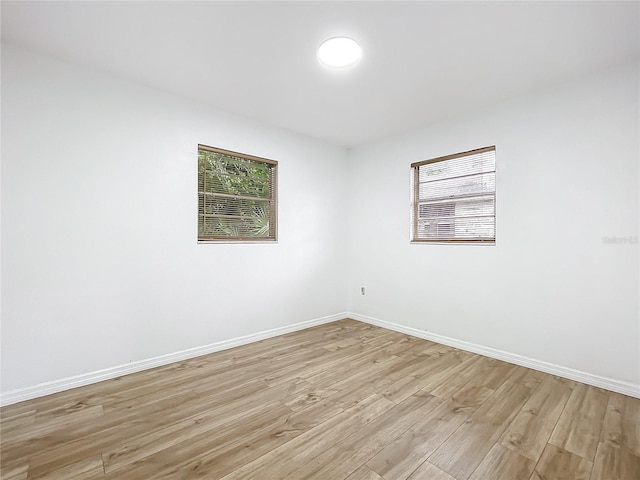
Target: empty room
320 240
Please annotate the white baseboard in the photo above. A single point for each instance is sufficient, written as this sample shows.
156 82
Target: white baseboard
626 388
19 395
22 394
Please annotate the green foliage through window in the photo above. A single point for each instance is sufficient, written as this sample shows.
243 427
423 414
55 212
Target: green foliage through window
236 196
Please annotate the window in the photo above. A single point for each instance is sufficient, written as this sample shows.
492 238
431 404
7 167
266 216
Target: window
454 198
236 196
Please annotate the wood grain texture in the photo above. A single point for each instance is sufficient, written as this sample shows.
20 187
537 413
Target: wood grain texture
503 464
363 473
407 452
531 428
429 471
578 429
615 463
345 400
463 451
621 426
560 464
347 455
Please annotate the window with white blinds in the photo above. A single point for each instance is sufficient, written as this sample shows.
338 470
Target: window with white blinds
454 198
236 196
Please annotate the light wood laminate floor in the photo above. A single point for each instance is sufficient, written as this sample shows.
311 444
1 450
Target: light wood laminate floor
344 400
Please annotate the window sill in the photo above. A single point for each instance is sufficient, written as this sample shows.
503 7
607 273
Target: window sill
453 242
249 242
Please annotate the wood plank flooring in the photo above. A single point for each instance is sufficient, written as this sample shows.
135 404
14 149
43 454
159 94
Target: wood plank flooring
344 400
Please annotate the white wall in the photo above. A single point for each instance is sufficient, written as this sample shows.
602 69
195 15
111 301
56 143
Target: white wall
550 289
100 261
100 265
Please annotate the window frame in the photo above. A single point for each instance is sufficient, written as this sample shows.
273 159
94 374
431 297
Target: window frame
273 200
415 171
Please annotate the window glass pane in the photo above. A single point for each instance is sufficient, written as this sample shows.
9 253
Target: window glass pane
453 187
456 228
473 164
236 197
454 198
235 227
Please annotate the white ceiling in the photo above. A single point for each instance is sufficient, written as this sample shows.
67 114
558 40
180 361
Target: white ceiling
422 61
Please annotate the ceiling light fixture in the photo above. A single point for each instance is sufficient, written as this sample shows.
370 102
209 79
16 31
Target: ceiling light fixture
339 52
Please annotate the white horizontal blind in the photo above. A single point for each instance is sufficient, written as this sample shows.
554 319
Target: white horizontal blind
236 196
455 198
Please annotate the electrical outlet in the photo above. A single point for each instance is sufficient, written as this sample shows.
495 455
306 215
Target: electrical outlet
362 290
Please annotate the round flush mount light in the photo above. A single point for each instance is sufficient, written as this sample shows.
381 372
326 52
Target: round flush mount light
339 52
